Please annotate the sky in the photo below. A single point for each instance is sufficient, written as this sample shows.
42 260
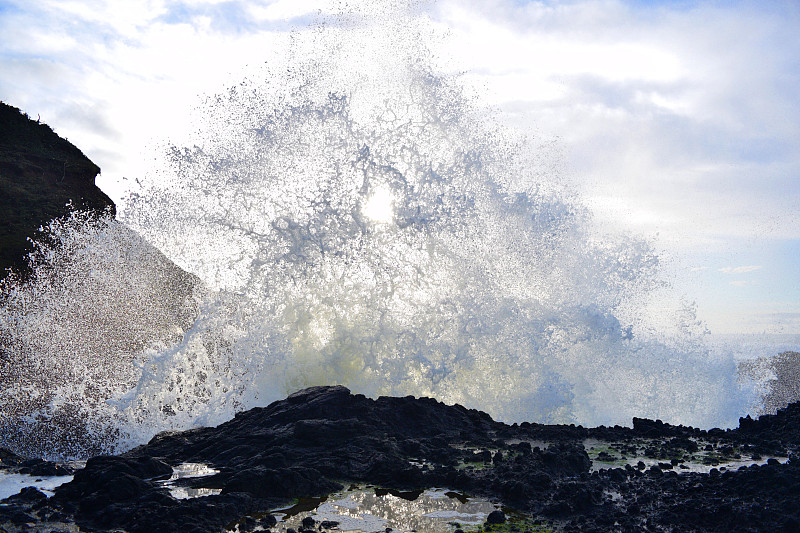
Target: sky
676 120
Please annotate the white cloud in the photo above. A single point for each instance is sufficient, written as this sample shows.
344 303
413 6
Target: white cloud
689 113
123 18
288 9
740 269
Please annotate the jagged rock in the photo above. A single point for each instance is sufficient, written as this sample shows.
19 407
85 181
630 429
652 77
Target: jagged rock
9 458
40 467
40 173
308 443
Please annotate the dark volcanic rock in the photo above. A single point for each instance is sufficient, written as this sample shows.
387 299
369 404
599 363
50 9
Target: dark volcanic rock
771 434
9 458
40 173
363 433
108 480
496 517
305 445
301 447
40 467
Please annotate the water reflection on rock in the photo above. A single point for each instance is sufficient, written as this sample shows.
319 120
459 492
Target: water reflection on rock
369 509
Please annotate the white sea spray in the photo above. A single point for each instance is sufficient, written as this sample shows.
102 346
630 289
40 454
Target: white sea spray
352 217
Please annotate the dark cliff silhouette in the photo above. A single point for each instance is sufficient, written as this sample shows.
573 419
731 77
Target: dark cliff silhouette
40 174
142 298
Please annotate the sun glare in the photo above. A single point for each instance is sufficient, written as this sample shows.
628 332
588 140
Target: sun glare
380 206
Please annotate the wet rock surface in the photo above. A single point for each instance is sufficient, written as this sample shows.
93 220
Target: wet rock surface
318 439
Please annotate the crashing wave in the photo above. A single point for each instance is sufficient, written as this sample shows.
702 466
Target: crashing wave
355 219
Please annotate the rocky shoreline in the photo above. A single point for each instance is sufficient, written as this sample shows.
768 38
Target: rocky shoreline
321 439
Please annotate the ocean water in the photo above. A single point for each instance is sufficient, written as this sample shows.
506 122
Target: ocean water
352 216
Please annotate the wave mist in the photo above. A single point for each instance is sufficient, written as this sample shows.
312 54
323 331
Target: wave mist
352 217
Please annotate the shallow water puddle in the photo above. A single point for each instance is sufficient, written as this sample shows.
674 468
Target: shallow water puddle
11 484
190 470
618 454
370 509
